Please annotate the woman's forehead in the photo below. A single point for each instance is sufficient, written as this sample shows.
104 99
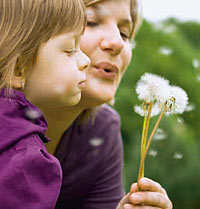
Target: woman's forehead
106 8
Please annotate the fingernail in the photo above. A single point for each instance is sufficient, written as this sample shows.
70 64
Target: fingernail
144 181
126 206
135 198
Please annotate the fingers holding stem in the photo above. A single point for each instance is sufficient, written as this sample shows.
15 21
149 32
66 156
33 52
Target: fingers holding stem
151 195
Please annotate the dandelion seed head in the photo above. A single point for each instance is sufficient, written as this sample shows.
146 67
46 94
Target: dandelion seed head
180 120
165 51
133 44
170 104
158 25
160 135
198 78
95 142
153 88
145 92
159 131
181 99
163 94
196 63
143 112
190 107
152 78
169 29
153 153
59 88
32 114
178 156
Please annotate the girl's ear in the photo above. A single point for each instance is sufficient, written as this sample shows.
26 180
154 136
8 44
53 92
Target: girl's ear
18 80
18 83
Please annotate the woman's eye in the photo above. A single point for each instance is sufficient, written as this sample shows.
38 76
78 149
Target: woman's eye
92 24
124 35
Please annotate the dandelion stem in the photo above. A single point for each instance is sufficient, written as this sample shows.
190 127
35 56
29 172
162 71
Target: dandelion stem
143 141
145 133
144 136
148 144
154 130
147 123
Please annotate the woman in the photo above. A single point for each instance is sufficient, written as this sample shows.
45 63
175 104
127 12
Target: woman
91 154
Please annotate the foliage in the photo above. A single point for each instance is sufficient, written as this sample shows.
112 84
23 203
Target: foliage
178 176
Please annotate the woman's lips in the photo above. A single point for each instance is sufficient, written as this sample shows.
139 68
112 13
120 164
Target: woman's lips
106 70
104 73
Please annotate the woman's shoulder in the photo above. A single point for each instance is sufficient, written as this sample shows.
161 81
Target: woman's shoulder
100 121
107 113
106 125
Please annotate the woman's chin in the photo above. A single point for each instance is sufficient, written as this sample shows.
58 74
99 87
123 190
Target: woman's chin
93 99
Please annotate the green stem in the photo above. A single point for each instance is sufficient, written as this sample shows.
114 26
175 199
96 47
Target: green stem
149 142
144 136
147 125
143 143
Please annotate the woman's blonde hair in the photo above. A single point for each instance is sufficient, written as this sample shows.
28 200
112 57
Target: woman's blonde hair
25 24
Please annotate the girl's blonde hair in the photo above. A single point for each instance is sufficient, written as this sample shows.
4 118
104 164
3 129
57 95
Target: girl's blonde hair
25 24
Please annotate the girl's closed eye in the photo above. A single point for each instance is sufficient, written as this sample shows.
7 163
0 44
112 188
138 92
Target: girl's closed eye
71 52
92 24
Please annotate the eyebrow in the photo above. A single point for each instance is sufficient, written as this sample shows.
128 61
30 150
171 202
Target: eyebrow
127 21
124 21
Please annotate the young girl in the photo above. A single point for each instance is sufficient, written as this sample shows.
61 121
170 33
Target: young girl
41 68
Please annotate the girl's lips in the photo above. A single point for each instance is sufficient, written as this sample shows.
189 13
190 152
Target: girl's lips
82 84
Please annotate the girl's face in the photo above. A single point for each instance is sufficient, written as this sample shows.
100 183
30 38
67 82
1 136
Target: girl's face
106 42
58 76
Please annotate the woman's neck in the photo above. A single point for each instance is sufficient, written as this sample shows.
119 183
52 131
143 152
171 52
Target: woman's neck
59 121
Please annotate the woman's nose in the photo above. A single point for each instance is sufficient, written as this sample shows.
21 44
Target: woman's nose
112 42
83 61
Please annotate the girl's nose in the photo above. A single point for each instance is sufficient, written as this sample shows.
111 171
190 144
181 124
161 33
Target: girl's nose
112 42
83 61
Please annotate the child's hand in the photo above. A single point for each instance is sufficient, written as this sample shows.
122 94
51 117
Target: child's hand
152 196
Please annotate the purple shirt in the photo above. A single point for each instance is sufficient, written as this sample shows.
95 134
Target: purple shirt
91 157
30 178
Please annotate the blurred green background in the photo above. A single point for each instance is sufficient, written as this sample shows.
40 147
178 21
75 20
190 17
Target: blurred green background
171 49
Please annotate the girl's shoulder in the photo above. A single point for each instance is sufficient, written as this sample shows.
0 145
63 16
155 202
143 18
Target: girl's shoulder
30 176
28 153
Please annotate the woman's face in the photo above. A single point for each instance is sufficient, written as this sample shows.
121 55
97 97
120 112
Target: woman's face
106 42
